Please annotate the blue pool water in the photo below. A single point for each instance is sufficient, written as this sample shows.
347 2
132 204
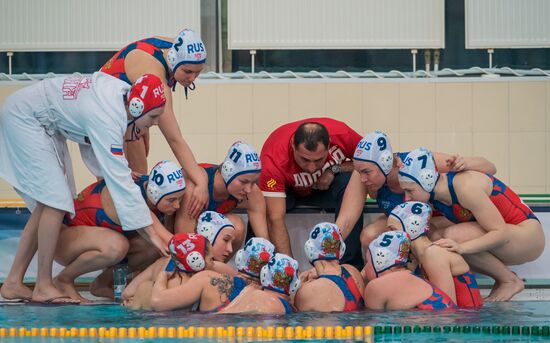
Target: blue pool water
510 313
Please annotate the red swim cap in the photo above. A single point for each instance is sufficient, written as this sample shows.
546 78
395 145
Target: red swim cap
146 94
188 251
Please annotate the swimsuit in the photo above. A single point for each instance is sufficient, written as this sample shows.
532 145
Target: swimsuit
352 295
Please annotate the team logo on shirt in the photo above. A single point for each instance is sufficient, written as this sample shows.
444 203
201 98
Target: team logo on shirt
72 85
271 183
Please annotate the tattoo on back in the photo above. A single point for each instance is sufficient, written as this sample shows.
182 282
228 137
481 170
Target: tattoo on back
224 285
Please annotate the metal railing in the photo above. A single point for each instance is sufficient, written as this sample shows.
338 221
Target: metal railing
341 74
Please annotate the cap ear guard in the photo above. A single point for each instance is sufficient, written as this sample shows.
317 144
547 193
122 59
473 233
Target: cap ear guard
195 261
135 107
386 161
427 179
227 170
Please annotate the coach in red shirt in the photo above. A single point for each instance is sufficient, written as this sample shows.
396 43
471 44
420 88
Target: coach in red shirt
308 162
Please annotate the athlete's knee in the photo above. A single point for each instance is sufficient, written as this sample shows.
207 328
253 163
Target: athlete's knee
369 233
115 249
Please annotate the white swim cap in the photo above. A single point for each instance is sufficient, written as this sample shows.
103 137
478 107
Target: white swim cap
255 254
165 178
375 148
187 48
419 166
389 249
211 223
241 159
414 217
281 274
325 243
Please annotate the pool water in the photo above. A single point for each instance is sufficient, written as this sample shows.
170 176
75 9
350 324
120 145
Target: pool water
533 313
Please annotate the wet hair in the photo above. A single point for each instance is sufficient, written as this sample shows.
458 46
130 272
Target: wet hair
311 134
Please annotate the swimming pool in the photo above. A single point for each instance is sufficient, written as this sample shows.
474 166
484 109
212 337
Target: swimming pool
497 322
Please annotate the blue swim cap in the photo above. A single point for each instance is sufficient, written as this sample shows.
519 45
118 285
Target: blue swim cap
375 148
419 166
414 217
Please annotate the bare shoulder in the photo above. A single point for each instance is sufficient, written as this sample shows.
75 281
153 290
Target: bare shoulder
472 186
159 265
471 179
435 252
139 62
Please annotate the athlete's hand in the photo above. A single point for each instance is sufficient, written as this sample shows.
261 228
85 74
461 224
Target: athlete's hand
456 163
324 182
198 201
160 245
126 296
449 244
308 275
135 175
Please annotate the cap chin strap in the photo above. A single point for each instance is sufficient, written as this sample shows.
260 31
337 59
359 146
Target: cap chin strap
173 83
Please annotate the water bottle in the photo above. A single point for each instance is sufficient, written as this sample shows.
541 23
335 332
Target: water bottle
120 273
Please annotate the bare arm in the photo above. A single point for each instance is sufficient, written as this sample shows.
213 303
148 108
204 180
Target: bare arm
136 153
276 210
169 127
150 235
183 221
224 268
160 230
256 209
374 296
148 274
438 269
473 190
138 63
446 163
352 204
185 295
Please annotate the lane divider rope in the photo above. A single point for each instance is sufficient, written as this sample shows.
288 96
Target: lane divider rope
357 333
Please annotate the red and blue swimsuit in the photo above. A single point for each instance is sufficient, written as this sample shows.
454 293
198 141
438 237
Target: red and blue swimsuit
352 294
508 203
152 46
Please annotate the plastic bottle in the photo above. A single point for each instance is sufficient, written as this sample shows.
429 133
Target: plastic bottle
120 273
